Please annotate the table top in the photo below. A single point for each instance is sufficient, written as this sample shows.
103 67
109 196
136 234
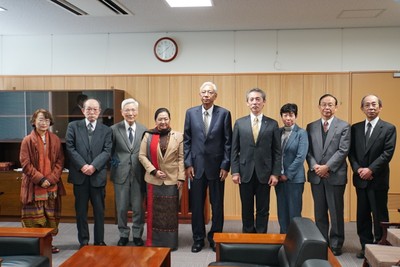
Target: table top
393 236
119 256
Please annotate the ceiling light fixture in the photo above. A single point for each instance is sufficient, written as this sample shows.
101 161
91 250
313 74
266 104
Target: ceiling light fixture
189 3
2 9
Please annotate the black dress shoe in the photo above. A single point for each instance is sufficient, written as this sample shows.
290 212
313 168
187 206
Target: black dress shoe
123 241
197 247
212 246
100 244
361 254
337 251
138 241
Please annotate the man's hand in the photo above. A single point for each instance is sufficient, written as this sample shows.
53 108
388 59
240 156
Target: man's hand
189 172
282 178
273 180
222 175
321 170
236 179
365 173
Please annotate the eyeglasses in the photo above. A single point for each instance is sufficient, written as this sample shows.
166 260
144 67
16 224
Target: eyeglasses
95 110
207 92
44 121
329 105
129 110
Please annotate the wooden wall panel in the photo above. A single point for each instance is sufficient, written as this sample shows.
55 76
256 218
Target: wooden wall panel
138 88
116 82
75 82
180 89
54 83
243 84
159 96
96 82
13 83
33 83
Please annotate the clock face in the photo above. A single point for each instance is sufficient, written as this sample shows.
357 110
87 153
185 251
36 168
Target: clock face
165 49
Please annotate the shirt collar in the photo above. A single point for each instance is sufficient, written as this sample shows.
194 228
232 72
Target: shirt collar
373 122
127 126
210 110
329 121
259 117
93 123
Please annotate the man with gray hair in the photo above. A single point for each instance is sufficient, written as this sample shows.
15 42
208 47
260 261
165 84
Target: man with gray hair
207 149
127 173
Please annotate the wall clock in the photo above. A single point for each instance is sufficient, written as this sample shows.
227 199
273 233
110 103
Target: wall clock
165 49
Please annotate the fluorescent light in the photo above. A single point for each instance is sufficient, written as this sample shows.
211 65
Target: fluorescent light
2 9
189 3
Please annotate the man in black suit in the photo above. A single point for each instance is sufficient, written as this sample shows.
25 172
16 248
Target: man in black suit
372 147
256 161
88 146
207 148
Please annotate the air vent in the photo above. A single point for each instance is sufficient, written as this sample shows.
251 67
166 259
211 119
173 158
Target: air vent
93 7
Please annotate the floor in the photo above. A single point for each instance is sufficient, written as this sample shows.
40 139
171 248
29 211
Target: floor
66 240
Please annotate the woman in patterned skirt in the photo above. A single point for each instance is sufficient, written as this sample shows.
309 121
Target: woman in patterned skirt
161 154
42 162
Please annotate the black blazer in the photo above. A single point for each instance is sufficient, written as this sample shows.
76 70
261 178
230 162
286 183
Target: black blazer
81 153
263 156
376 156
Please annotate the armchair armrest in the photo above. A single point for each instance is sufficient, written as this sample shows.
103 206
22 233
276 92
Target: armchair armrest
44 235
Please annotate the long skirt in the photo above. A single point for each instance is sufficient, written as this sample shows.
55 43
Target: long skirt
42 214
162 216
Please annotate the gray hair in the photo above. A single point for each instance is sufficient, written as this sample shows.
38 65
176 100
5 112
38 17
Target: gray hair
129 101
208 84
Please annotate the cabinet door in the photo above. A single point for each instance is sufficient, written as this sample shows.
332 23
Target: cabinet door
10 184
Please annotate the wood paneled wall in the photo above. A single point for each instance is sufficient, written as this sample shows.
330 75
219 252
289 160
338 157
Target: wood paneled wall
179 92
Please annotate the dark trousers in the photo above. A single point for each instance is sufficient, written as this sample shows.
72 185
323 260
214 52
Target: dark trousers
198 190
261 193
371 210
329 197
83 193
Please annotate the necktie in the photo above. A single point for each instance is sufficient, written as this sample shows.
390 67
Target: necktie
326 126
205 119
90 132
130 135
368 133
256 129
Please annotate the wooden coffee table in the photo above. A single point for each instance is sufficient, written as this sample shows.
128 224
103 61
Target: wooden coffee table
119 256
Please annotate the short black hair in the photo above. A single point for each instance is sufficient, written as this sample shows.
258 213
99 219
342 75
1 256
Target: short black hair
326 95
160 110
289 108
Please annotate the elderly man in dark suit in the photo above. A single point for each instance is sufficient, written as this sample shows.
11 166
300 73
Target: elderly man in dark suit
88 144
256 161
372 147
329 144
127 173
207 148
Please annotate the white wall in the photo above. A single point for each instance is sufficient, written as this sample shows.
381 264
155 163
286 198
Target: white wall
204 52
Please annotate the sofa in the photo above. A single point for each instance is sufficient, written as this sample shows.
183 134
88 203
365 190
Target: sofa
25 247
303 241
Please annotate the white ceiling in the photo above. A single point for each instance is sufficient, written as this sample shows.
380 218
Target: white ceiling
44 17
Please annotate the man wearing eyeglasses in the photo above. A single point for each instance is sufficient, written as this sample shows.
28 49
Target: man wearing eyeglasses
207 148
329 144
127 173
88 145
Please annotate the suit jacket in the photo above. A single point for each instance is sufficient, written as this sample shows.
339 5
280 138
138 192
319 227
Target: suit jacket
125 157
208 153
293 155
171 163
376 156
263 156
81 153
333 153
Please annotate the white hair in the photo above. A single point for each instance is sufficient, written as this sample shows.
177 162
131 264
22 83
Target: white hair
208 84
129 101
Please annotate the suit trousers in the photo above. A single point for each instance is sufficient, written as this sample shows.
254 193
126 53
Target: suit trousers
289 198
329 197
370 201
129 195
198 190
83 193
261 193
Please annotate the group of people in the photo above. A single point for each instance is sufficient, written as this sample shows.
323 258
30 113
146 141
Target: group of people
150 166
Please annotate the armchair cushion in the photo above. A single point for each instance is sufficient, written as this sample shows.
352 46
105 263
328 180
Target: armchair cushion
25 261
19 246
